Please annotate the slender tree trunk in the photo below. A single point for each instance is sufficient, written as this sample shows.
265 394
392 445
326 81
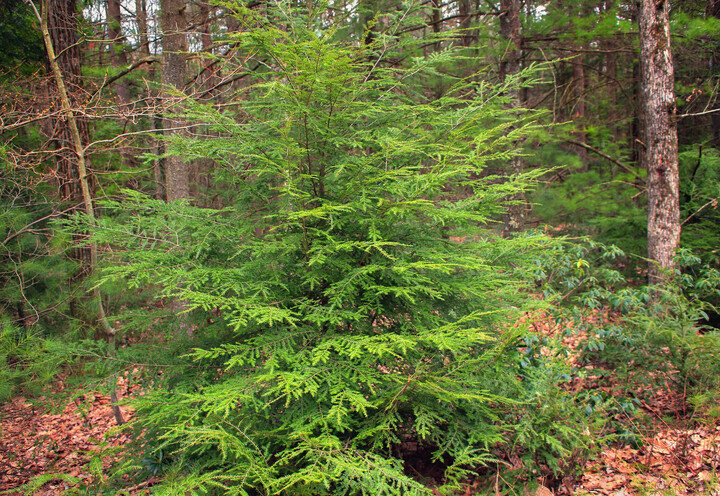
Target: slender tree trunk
174 26
661 155
611 78
117 48
465 22
712 9
142 23
514 219
79 150
637 124
579 105
435 20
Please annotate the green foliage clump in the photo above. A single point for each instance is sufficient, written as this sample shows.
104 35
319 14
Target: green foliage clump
658 329
346 310
603 204
26 366
699 195
21 45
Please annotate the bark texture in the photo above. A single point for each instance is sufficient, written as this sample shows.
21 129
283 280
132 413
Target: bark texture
63 31
174 27
514 219
661 154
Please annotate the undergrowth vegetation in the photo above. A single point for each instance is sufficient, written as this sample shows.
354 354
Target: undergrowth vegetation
642 334
352 323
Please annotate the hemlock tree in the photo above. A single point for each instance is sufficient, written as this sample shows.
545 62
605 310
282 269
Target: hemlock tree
661 154
352 294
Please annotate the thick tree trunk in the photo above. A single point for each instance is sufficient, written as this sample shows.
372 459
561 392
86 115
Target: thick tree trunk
174 26
514 219
661 154
119 59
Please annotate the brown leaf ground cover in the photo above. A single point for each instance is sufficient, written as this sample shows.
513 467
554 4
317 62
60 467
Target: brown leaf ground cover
678 452
37 440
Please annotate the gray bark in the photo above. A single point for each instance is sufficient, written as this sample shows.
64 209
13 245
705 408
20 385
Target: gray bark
174 26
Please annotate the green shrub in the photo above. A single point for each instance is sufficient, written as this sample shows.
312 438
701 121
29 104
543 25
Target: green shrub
25 364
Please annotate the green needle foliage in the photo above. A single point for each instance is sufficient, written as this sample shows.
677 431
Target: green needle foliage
346 309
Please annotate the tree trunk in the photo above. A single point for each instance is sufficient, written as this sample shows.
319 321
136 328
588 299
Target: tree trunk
142 24
119 59
174 25
465 22
63 32
661 154
578 112
712 9
77 146
117 48
514 219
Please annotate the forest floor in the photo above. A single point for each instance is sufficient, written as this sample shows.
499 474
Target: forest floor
677 452
677 449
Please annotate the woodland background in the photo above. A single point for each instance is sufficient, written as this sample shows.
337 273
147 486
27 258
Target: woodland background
368 247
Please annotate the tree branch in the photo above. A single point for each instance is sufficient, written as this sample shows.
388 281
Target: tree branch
605 156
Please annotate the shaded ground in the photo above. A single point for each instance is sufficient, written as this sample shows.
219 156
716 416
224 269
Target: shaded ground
34 441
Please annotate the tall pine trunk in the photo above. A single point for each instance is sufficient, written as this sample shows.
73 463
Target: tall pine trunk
661 154
174 26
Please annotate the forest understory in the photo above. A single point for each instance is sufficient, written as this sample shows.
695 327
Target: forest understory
674 450
359 247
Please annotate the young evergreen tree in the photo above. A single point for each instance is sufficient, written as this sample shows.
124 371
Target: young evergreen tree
352 294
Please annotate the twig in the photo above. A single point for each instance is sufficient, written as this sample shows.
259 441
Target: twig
712 202
605 156
50 216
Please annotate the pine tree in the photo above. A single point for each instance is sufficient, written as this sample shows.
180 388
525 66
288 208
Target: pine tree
661 154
